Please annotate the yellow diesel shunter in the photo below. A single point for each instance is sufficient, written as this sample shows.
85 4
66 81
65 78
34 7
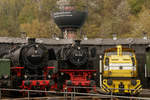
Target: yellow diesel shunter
120 71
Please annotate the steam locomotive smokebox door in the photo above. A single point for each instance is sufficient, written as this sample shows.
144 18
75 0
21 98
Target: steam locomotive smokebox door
4 68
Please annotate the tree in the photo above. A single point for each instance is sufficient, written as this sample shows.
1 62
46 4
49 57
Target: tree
125 17
39 29
142 22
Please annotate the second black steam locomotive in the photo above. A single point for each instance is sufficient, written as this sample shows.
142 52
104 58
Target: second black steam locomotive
77 66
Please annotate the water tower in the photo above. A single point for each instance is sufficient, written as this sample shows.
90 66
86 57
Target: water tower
69 18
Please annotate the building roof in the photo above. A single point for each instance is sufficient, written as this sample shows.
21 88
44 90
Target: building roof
97 41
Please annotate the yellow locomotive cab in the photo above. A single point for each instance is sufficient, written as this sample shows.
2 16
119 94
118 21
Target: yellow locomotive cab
120 71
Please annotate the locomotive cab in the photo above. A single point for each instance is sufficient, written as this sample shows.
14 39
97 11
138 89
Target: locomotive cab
124 61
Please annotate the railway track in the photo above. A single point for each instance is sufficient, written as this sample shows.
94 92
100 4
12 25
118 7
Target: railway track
61 98
76 98
144 95
72 97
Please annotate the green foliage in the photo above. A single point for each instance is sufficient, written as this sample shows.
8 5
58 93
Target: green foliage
104 17
28 13
136 6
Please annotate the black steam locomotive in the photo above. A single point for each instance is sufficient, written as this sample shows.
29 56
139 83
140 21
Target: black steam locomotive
30 66
76 64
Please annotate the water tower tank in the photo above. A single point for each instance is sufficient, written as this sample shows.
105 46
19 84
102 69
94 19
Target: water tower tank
69 17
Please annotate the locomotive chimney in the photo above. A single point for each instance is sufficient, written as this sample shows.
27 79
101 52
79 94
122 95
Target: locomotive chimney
31 40
69 19
77 42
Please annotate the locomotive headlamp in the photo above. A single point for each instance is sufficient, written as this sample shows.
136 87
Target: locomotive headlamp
62 73
94 74
35 51
37 46
25 76
5 76
49 76
78 48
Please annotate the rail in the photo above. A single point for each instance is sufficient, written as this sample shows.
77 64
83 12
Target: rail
72 94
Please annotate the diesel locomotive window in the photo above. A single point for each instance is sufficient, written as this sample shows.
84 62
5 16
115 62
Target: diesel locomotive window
115 53
127 53
111 53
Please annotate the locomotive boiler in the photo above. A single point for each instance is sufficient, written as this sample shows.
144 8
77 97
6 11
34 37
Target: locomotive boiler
76 64
31 56
75 55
